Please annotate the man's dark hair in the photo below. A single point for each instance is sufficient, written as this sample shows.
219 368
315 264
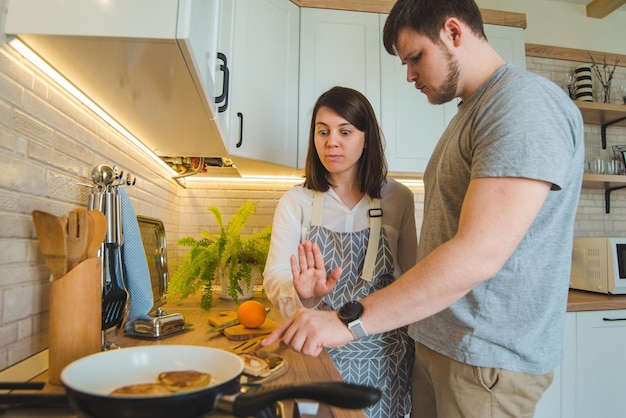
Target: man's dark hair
427 17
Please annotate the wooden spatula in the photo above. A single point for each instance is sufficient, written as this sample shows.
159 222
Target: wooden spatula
76 239
97 231
51 234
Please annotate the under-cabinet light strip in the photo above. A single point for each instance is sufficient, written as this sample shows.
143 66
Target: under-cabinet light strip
270 179
38 62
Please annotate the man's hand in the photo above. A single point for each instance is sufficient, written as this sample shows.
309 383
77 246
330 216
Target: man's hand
310 331
309 273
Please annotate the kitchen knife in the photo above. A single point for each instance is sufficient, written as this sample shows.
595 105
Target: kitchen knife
228 324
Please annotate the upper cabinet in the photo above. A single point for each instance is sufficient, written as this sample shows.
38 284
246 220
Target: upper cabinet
345 48
412 126
236 78
337 48
150 64
262 116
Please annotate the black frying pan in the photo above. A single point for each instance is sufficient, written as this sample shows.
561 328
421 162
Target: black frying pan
90 380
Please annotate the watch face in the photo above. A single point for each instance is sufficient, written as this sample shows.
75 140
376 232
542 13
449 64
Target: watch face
350 311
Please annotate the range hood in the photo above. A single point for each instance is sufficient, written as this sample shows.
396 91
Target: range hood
149 64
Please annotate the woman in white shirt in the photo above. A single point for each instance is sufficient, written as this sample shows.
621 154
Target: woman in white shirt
360 226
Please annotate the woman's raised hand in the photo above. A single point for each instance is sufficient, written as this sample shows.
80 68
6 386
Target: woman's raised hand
309 273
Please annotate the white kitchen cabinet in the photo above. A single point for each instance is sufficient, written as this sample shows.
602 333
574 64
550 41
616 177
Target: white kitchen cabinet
337 48
345 48
262 116
198 28
150 64
224 64
600 365
558 400
509 42
590 380
411 125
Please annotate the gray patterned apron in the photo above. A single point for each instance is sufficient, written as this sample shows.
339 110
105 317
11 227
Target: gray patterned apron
382 360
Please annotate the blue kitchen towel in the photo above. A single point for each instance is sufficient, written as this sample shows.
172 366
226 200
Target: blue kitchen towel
137 274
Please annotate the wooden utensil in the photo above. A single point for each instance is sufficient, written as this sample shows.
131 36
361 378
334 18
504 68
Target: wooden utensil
76 238
247 346
97 231
51 234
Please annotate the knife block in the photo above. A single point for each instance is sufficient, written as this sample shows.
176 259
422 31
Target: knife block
75 316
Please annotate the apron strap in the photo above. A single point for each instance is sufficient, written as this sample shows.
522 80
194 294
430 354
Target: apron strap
375 213
318 208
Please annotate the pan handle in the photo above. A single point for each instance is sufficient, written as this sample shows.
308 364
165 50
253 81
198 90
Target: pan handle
36 399
343 395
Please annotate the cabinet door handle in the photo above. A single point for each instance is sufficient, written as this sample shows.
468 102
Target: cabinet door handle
240 116
614 319
225 83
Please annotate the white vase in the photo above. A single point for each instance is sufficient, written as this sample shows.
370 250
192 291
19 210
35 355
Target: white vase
248 291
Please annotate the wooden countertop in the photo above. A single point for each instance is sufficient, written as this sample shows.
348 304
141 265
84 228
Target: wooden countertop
301 369
580 300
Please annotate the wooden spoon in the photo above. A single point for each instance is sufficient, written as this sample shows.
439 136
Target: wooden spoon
97 231
51 234
76 238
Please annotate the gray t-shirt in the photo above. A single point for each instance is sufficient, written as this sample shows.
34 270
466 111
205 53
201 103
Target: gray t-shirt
517 124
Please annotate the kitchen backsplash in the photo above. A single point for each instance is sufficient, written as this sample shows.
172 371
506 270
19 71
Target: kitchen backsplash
48 140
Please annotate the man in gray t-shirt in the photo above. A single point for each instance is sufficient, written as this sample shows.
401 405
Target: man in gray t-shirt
516 125
487 299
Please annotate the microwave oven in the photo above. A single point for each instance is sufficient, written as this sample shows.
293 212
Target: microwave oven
599 265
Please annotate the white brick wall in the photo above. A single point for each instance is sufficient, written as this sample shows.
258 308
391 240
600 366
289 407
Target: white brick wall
228 196
47 140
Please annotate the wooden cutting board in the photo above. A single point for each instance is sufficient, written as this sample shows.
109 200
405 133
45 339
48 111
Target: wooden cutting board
239 332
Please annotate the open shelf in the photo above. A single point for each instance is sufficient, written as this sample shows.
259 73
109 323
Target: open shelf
603 181
605 115
606 182
602 114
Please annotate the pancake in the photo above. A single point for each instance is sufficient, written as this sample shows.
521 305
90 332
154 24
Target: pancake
167 383
275 363
184 380
142 389
255 366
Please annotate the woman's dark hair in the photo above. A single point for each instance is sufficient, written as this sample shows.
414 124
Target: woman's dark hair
427 17
356 109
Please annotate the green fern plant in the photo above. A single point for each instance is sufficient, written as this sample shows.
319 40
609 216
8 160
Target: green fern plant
222 253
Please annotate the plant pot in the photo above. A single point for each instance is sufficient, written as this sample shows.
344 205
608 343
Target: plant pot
248 291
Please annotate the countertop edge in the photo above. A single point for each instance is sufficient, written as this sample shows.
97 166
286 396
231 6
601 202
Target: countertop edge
580 301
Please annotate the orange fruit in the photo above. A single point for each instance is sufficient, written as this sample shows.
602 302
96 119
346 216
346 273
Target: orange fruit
251 314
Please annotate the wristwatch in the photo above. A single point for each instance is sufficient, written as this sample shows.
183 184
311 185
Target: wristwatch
350 314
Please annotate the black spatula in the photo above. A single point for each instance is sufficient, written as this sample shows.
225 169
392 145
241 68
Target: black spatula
114 298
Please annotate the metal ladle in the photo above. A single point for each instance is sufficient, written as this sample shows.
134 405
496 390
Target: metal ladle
102 175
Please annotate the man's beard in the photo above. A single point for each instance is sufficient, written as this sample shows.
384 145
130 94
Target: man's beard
447 92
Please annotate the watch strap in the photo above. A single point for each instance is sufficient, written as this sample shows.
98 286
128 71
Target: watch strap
356 327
